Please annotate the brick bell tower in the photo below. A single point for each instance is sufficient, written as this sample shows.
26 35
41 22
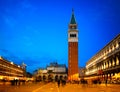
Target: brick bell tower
73 49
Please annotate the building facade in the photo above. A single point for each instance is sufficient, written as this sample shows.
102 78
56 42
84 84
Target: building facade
81 72
53 72
73 49
106 63
10 71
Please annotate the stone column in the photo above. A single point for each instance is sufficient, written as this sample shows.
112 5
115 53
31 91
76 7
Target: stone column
117 61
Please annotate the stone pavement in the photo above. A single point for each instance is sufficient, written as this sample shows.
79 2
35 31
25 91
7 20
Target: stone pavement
52 87
90 88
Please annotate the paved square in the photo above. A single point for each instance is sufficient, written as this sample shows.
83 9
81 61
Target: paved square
52 87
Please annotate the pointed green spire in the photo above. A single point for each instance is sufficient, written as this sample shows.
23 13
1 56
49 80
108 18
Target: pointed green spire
73 18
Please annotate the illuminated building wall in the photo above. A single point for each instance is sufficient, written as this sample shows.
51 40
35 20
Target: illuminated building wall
53 71
10 70
106 62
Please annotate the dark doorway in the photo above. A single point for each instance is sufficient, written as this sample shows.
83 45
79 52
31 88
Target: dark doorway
44 78
56 78
61 77
50 78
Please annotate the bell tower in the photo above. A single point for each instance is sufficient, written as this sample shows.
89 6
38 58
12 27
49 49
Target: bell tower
73 49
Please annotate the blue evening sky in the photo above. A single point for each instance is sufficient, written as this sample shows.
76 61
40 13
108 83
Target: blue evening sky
35 31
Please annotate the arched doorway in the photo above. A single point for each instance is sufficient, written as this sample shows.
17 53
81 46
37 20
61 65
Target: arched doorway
61 77
56 78
50 78
44 78
39 78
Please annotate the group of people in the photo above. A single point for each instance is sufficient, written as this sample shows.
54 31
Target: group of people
17 82
61 82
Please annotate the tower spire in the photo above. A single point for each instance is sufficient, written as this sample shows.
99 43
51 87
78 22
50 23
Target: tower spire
73 18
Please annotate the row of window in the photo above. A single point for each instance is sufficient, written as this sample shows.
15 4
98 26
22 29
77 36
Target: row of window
7 73
106 51
105 65
10 68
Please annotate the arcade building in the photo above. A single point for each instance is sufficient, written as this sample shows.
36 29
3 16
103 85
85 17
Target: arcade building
52 72
106 63
10 71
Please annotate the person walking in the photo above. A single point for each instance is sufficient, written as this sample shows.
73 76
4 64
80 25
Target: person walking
106 82
58 82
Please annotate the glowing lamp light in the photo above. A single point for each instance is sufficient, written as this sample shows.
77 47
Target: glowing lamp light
11 62
105 57
1 77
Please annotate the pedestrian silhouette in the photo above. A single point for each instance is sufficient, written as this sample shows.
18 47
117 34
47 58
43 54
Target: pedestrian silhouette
106 82
58 82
